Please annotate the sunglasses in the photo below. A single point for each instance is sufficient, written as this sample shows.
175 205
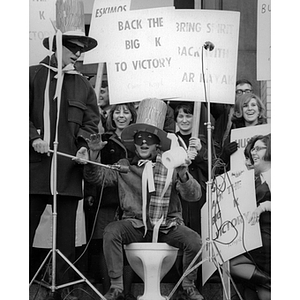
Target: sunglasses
145 138
73 47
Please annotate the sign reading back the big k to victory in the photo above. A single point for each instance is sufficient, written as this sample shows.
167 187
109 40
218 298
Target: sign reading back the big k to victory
233 201
159 52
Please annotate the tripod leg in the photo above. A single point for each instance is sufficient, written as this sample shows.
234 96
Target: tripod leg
81 275
40 268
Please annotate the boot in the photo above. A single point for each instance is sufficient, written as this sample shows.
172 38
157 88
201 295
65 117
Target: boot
260 278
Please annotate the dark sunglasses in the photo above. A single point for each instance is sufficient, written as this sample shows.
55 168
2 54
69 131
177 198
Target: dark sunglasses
73 47
141 138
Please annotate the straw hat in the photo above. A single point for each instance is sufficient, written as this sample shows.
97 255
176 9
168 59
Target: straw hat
70 21
150 118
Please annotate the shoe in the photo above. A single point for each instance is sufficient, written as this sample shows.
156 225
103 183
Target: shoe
260 278
129 296
193 293
114 294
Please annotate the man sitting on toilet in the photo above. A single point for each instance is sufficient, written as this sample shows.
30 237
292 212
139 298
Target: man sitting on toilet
149 193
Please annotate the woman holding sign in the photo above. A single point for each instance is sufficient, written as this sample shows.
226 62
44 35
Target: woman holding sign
255 266
248 110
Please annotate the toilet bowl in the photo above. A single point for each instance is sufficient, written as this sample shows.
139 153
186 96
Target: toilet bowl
151 262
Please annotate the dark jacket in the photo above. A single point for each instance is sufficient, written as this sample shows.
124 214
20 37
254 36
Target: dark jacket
79 117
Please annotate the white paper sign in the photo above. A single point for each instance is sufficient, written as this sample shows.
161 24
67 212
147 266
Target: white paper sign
242 136
40 27
142 55
100 29
193 28
158 53
264 40
233 201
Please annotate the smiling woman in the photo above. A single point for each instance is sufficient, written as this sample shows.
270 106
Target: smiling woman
249 110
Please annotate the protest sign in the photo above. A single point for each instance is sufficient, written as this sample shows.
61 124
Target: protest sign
163 57
140 66
242 136
263 57
99 26
100 29
193 28
233 201
40 27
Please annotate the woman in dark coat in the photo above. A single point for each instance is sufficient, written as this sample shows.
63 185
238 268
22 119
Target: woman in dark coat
119 117
254 267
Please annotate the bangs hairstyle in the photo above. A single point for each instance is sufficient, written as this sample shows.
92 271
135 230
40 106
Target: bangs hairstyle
240 101
187 108
266 139
110 123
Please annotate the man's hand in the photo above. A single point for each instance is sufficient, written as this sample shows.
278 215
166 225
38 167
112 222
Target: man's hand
40 146
82 153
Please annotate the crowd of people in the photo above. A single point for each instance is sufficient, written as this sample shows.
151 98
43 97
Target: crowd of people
135 135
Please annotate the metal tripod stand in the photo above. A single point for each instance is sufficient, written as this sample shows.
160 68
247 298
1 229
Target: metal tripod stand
54 251
213 250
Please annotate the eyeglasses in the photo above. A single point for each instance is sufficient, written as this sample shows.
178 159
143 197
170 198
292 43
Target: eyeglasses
257 148
73 47
241 92
145 138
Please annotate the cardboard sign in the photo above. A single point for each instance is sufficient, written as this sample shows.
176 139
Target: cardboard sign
140 54
264 40
242 136
233 201
40 27
158 53
100 29
193 28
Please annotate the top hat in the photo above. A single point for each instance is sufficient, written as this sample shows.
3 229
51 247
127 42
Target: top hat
70 21
151 116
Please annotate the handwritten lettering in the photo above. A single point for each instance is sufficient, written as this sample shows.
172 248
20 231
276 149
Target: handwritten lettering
108 10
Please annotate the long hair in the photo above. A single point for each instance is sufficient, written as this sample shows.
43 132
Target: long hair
110 123
238 119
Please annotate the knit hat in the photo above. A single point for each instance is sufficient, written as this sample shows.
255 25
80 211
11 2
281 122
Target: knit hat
151 116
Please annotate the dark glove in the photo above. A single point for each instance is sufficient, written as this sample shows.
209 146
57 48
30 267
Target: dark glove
95 145
228 150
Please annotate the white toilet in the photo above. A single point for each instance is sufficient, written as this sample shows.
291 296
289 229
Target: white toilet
151 262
